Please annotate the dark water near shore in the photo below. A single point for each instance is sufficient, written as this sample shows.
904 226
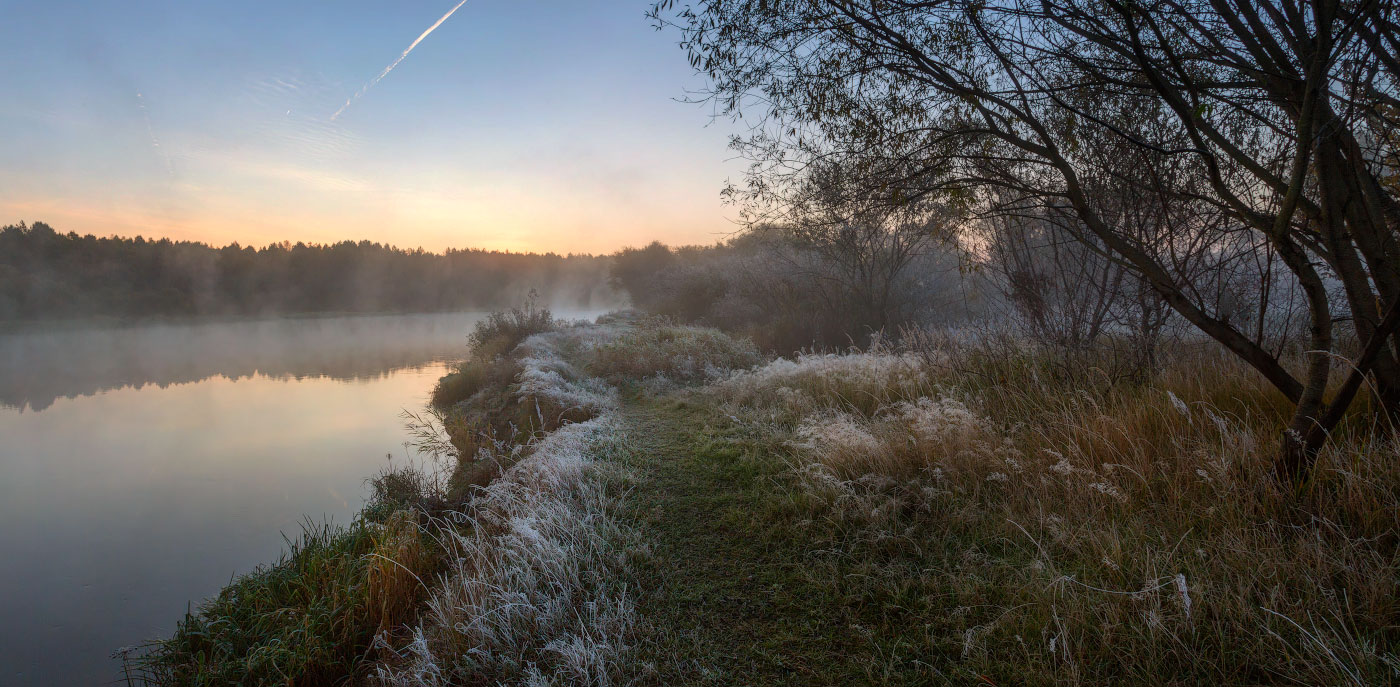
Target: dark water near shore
141 468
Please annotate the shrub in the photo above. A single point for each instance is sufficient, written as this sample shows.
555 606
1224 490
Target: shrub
489 364
418 489
472 376
503 330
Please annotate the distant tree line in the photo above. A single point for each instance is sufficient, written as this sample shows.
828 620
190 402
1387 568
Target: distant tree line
48 275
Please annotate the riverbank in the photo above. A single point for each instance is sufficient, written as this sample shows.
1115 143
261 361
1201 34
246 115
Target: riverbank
630 502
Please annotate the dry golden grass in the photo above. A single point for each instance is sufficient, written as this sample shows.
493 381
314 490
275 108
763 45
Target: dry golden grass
1094 532
392 572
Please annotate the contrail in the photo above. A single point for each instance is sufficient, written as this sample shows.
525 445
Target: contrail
150 131
390 68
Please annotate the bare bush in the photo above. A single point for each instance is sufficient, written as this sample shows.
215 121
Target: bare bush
789 288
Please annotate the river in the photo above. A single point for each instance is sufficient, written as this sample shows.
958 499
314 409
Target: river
142 468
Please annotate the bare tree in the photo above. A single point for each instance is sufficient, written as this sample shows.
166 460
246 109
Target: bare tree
1063 290
1185 137
1069 296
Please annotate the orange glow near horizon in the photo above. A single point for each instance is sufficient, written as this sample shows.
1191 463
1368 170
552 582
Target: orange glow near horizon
433 223
551 129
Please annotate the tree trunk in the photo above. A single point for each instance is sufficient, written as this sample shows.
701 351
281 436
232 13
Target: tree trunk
1313 423
1300 445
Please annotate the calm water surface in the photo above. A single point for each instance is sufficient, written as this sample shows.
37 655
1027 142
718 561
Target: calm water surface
140 469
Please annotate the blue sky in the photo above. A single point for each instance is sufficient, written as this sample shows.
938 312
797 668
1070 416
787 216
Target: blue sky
540 125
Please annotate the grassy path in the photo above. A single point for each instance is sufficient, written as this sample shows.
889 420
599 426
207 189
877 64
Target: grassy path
732 597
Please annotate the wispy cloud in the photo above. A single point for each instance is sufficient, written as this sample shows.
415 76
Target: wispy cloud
288 113
395 63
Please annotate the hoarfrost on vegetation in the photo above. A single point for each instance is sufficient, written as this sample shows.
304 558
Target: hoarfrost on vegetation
823 375
942 419
1062 467
1109 490
547 374
671 355
830 436
534 593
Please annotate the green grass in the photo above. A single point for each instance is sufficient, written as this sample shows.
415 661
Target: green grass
309 619
745 593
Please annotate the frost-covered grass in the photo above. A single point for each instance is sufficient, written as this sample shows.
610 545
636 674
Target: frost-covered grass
897 442
653 350
537 588
550 377
1053 529
540 586
520 396
536 583
497 401
863 381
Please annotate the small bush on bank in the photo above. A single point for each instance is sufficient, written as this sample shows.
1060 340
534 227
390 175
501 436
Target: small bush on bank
471 376
489 364
503 330
488 379
416 489
459 385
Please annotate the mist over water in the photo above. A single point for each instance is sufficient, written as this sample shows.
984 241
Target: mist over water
142 468
37 368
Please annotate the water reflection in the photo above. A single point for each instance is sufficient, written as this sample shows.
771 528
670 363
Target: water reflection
141 469
37 368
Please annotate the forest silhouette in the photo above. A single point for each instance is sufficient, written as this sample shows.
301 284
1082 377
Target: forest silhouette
47 275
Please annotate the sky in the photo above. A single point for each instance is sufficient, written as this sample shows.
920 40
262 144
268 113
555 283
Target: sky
536 125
